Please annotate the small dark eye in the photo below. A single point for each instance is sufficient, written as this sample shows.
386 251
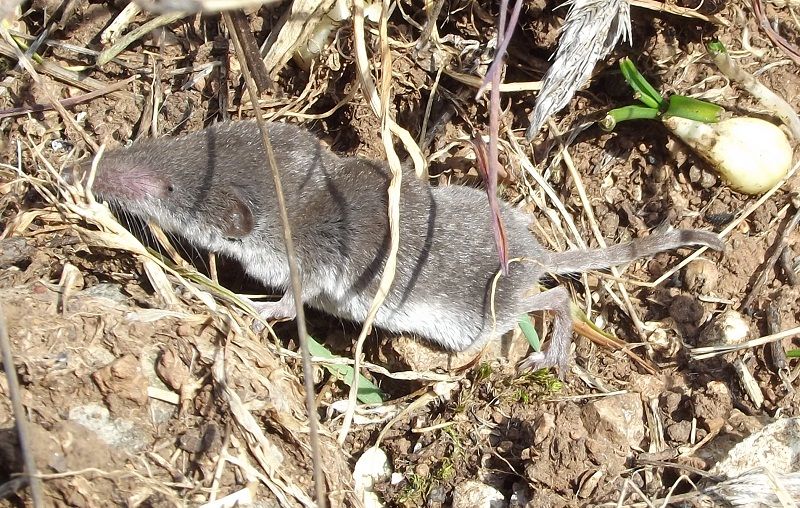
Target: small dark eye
170 188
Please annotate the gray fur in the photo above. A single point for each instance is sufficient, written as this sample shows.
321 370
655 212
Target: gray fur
214 188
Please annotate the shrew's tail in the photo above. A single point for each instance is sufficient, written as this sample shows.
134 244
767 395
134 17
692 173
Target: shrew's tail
575 261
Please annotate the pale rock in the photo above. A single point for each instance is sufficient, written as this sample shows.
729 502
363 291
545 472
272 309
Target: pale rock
474 494
617 419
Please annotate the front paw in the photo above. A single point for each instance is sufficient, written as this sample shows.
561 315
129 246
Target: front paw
276 311
273 311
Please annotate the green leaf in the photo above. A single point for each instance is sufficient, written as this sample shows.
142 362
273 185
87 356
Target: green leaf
530 332
693 109
368 392
793 353
644 90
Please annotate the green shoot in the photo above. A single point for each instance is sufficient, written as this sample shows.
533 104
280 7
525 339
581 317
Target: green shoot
368 393
653 106
530 332
644 90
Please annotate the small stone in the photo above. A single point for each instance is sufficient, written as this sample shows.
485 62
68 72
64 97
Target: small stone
618 419
671 402
474 494
172 370
200 440
728 328
520 495
679 432
588 483
544 426
649 387
122 378
701 276
713 403
437 496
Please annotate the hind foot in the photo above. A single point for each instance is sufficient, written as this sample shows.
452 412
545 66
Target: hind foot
557 301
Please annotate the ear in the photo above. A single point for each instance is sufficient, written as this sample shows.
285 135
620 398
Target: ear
237 218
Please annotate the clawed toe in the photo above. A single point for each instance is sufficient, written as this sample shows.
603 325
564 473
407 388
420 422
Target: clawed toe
542 360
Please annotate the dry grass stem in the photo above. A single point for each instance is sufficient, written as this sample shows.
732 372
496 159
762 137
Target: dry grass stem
380 106
294 272
120 23
126 40
20 416
294 29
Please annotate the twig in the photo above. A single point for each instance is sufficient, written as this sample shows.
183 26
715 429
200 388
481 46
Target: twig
207 6
371 93
789 49
701 353
120 23
477 82
251 52
780 245
67 103
109 53
294 272
612 342
294 28
787 263
19 415
430 31
58 72
777 354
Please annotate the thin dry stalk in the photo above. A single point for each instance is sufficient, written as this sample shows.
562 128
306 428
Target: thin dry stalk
678 11
58 72
268 455
380 106
294 28
780 245
118 47
788 48
294 273
207 6
776 104
701 353
23 432
530 169
67 103
477 82
114 30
